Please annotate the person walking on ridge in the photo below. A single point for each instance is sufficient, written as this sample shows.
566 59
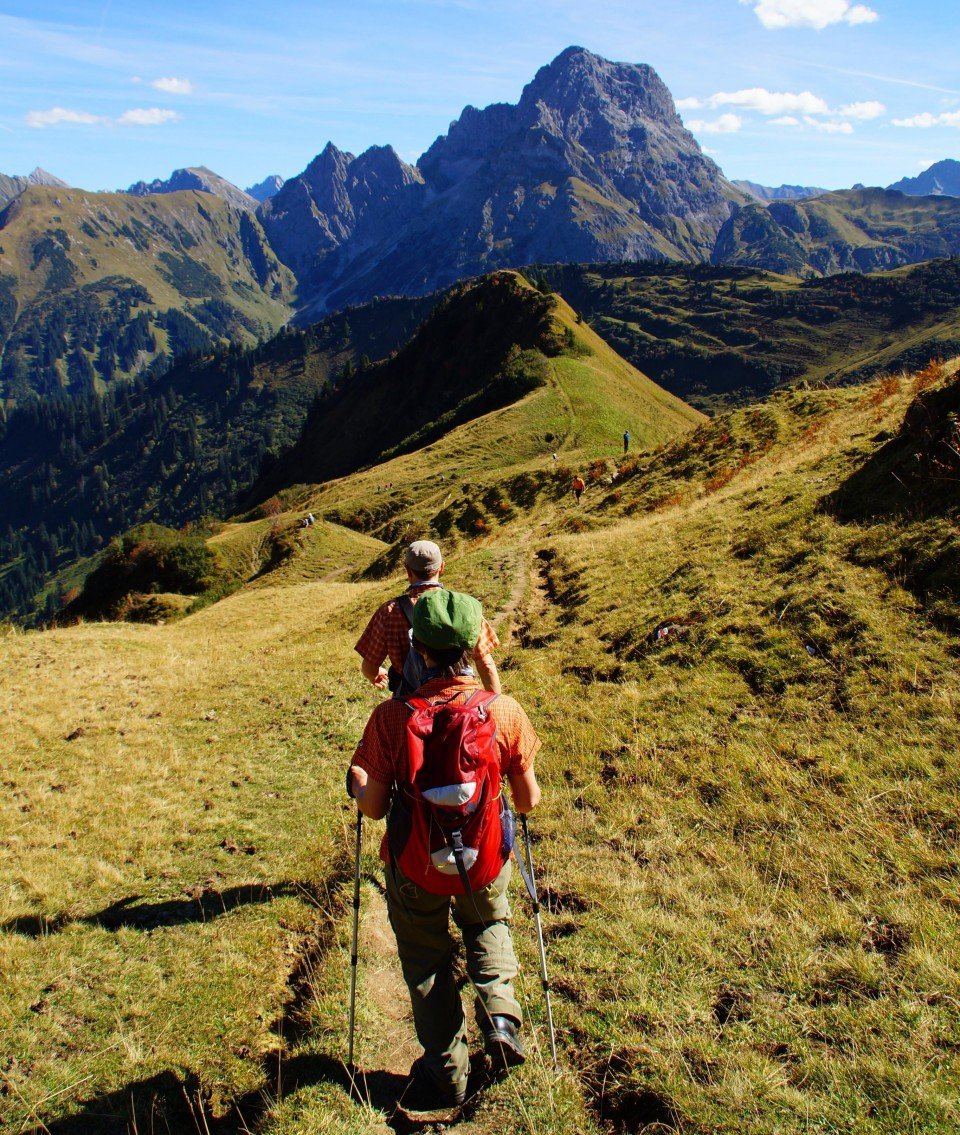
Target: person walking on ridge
578 485
446 627
626 441
387 634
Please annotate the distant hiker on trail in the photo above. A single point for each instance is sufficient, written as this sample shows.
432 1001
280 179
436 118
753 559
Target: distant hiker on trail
428 865
578 485
626 440
387 635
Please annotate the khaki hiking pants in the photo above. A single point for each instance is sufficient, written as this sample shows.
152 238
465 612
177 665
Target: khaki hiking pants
420 921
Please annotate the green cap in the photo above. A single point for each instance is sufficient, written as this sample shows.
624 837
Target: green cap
447 620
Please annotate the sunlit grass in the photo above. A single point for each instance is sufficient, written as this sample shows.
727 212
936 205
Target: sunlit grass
747 844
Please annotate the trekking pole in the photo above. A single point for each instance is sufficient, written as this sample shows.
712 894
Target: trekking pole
353 948
532 887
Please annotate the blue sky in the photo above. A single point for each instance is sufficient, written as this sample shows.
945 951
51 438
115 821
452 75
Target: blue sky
814 92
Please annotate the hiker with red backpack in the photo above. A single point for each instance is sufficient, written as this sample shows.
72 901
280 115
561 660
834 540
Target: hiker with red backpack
387 635
436 763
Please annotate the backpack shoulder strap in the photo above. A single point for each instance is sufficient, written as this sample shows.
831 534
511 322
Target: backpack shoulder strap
405 603
481 699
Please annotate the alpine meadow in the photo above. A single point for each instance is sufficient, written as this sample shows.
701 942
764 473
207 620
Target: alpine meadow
227 415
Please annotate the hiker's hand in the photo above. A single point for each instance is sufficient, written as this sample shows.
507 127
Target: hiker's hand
381 681
356 780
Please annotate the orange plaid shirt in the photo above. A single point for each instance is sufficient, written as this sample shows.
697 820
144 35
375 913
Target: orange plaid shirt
387 635
382 751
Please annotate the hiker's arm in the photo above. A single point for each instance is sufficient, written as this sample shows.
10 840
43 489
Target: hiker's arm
487 672
524 790
374 673
372 796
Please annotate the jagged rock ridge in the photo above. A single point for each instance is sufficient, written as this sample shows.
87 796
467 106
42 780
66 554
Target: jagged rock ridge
779 192
196 177
942 179
593 163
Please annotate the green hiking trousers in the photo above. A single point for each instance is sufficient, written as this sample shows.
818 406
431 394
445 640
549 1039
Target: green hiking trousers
420 921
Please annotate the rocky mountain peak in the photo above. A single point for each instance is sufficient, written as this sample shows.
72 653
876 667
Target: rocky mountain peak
942 179
384 164
578 85
265 189
41 177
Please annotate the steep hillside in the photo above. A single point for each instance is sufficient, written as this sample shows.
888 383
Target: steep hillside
746 847
858 230
485 347
96 286
721 336
75 472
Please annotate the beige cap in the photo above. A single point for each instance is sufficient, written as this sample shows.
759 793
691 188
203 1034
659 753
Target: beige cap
423 558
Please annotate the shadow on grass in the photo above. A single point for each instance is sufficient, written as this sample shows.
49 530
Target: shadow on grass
129 912
178 1104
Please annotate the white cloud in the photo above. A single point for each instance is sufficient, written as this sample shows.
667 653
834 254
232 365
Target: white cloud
817 14
862 111
725 124
828 127
59 115
173 86
147 116
787 120
926 120
688 104
763 101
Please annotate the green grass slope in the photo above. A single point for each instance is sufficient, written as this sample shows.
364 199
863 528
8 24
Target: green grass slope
170 450
859 230
497 345
747 843
95 286
719 337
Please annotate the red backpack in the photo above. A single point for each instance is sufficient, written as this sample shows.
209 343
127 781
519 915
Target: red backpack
450 829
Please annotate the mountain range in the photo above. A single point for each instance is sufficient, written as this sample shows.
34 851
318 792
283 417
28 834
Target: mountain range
225 428
197 177
593 164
